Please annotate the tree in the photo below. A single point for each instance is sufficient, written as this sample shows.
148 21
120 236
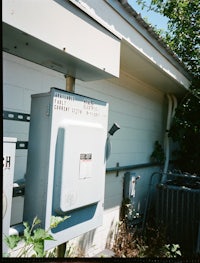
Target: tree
183 38
186 131
183 28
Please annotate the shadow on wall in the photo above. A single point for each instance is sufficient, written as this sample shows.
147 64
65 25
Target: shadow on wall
111 235
86 241
113 191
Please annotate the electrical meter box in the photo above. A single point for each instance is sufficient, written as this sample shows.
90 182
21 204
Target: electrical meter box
66 163
9 148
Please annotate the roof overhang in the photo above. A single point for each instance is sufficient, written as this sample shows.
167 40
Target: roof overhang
140 67
65 38
96 57
21 44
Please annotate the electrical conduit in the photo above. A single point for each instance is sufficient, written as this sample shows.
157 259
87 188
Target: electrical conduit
172 105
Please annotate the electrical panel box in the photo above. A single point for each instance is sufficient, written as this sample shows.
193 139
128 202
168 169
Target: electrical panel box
9 148
132 191
66 163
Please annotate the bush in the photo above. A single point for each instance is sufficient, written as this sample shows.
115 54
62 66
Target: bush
32 241
131 243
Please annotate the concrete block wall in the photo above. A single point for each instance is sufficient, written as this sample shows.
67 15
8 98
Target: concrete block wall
138 109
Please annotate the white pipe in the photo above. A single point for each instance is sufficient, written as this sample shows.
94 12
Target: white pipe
166 138
174 105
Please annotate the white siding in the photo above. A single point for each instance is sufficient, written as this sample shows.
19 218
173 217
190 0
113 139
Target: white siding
22 78
139 111
137 108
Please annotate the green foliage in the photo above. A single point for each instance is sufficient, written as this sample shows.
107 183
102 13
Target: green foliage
183 35
12 241
172 250
33 238
183 39
158 154
186 131
56 220
183 28
128 211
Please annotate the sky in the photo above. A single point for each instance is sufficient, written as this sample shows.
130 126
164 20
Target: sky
155 19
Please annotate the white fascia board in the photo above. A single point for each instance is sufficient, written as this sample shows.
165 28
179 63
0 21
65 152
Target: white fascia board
159 62
90 12
140 39
127 28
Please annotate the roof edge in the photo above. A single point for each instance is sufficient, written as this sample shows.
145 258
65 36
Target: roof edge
174 59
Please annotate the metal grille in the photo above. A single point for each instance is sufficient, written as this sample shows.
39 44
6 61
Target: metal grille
178 209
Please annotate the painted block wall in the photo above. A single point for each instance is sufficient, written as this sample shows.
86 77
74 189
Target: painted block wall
138 109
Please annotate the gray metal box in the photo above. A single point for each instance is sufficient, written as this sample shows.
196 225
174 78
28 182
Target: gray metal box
66 163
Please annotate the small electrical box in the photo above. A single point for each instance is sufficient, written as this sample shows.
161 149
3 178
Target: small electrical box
66 163
129 185
9 148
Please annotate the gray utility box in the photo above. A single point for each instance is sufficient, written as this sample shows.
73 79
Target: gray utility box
66 163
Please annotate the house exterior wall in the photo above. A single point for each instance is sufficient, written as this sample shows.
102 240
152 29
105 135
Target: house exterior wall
137 108
137 105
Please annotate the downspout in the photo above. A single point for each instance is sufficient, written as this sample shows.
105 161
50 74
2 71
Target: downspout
172 105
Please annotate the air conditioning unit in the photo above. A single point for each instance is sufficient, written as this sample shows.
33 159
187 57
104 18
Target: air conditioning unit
179 210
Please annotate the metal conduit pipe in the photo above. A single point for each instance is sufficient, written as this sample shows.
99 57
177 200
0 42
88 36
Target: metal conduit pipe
166 138
131 167
70 83
172 104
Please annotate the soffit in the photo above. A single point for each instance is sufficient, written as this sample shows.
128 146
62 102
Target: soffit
137 65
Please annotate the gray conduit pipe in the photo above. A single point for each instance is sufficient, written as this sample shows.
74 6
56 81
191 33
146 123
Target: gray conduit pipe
166 138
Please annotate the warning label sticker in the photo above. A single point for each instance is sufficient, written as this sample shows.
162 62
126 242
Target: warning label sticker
85 168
